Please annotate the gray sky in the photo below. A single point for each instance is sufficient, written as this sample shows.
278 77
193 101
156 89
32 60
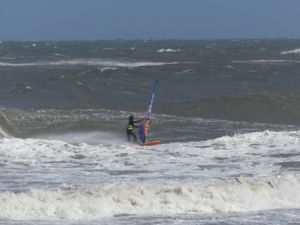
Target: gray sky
148 19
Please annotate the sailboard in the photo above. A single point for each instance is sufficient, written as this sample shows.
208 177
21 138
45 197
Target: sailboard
145 124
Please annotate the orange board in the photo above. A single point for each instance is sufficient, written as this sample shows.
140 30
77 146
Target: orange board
151 143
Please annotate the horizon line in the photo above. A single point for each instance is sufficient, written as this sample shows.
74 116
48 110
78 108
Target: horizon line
148 39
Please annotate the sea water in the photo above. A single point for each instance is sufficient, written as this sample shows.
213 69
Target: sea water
226 113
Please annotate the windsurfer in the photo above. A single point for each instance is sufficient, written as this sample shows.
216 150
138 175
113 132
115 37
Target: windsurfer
130 128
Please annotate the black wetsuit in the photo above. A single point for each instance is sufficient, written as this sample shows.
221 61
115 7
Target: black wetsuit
130 126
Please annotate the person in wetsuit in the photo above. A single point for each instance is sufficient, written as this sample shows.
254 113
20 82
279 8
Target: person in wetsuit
130 127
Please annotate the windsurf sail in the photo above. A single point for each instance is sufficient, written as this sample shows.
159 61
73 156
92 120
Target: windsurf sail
151 99
145 125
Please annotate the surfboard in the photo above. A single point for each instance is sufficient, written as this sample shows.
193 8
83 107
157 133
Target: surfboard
145 125
151 143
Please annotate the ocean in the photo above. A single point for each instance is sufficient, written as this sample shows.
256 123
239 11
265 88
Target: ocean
227 113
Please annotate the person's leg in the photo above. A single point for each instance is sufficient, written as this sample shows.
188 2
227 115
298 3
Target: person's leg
134 137
128 136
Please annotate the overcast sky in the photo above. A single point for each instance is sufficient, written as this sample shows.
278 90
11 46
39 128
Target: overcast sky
148 19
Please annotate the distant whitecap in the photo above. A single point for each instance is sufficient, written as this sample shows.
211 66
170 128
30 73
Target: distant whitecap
89 62
168 50
294 51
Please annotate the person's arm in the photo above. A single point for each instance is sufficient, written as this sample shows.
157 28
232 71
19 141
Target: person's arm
136 125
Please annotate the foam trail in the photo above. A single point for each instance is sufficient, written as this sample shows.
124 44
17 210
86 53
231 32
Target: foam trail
266 61
88 62
4 119
168 50
240 195
107 68
3 133
294 51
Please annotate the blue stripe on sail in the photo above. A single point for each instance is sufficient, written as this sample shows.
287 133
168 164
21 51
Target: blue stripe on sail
151 99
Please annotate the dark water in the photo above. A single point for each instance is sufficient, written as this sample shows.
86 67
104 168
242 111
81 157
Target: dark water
235 80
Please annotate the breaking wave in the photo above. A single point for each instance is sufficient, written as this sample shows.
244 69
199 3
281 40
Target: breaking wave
3 121
168 50
87 62
110 158
236 195
266 61
294 51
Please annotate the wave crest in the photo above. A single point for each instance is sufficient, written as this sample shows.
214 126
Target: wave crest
239 195
87 62
294 51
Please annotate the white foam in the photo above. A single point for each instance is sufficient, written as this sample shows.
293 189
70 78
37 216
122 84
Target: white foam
225 157
104 180
266 61
88 62
294 51
246 148
3 133
240 195
108 49
90 137
264 142
103 69
168 50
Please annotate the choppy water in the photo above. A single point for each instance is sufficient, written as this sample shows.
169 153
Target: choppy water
227 114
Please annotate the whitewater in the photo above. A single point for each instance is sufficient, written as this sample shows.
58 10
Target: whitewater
64 180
